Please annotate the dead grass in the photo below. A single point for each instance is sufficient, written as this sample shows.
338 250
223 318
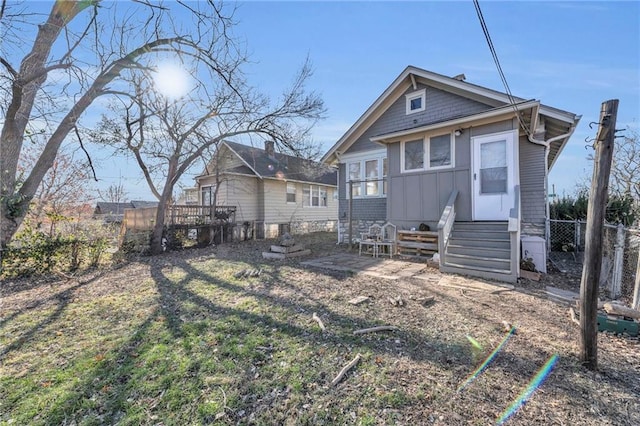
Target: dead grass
178 339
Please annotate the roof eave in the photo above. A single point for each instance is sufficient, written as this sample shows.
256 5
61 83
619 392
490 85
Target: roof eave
574 125
242 159
506 111
330 157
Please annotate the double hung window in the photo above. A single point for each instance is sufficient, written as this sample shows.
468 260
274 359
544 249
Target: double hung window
314 196
433 152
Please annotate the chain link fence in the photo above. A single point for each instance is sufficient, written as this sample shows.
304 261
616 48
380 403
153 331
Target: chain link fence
620 252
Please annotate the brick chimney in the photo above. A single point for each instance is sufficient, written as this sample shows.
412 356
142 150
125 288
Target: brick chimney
269 147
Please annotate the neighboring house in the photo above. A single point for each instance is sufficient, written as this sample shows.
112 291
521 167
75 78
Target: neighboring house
114 212
188 197
272 192
432 138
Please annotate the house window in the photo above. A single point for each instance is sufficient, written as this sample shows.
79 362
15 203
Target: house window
415 101
371 170
208 195
368 177
354 176
434 152
440 151
414 155
314 196
493 169
291 192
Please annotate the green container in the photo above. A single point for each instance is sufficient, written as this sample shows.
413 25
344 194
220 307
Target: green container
617 325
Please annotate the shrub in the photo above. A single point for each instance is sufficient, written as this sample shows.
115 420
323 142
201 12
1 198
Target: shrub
33 252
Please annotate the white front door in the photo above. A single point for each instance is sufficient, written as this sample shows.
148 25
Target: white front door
495 174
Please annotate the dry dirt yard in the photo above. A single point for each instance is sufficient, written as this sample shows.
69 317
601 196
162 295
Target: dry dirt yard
191 337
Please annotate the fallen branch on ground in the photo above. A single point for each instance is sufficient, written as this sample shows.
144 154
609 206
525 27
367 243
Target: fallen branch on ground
319 321
374 329
344 370
572 314
396 301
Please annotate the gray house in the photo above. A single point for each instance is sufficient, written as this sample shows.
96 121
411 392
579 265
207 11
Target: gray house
465 160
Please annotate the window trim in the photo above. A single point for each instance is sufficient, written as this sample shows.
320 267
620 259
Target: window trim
422 95
426 152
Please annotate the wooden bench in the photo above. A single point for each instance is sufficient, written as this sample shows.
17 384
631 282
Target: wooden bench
417 243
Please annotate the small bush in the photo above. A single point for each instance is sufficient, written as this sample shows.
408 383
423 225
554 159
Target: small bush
33 252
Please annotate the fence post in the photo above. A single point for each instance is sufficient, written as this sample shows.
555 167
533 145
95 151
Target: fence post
576 235
618 263
636 289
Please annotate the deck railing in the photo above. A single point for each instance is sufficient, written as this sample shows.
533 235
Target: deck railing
200 215
446 224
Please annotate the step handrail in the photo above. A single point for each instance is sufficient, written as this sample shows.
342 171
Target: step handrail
514 232
446 224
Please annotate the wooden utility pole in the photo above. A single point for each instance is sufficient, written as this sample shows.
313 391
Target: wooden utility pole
593 245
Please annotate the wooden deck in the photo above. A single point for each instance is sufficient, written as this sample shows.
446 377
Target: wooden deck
179 216
185 215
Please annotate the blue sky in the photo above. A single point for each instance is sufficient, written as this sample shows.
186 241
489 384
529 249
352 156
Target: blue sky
570 55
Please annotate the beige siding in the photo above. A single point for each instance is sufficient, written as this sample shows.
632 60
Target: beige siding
277 210
230 160
239 191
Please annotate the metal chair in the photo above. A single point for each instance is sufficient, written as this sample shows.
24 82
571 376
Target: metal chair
387 241
371 239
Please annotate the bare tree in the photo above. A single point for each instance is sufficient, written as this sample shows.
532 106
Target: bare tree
63 188
625 172
168 136
114 193
76 56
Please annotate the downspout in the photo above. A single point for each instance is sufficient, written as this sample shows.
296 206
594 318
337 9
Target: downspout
337 155
338 189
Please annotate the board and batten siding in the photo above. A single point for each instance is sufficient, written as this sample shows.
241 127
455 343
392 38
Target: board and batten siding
420 197
439 106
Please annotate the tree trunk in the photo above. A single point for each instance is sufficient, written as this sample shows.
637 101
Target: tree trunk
165 199
24 88
158 229
26 82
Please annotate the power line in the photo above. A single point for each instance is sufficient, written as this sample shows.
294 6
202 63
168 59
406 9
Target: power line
487 36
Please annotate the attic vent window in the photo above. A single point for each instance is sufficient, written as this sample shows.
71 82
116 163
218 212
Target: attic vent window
416 101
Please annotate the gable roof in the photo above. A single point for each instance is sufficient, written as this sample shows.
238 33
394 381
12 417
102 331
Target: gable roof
111 208
258 162
559 124
103 207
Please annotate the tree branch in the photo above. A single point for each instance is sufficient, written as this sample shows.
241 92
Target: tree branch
8 66
93 171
